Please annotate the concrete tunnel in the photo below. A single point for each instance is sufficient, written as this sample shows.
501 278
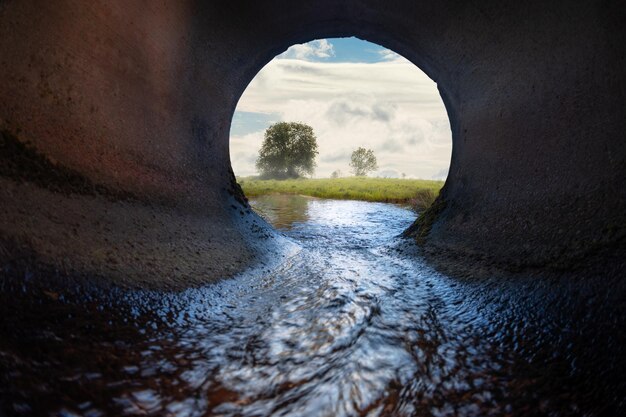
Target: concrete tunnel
115 117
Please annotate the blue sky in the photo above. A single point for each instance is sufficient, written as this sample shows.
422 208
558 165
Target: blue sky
354 50
353 93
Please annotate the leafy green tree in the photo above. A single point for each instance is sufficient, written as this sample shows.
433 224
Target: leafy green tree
288 151
363 161
336 174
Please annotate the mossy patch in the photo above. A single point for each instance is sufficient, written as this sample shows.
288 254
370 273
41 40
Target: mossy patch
421 228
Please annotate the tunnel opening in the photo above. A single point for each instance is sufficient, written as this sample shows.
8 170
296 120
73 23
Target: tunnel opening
353 94
144 106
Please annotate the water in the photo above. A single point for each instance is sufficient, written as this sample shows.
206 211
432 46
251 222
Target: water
355 324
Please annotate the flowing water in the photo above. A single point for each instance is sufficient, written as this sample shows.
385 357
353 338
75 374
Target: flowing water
354 324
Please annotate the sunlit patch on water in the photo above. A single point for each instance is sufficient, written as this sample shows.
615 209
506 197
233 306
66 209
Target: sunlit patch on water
349 326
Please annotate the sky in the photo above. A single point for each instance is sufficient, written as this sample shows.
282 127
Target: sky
354 94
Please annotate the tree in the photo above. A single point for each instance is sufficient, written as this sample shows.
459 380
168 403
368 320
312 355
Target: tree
363 161
288 151
336 174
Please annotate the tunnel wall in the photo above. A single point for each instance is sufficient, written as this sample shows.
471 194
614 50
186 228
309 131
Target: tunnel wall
132 100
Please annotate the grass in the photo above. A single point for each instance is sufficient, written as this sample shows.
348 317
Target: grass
418 193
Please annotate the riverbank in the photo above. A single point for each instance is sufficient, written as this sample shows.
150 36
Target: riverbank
417 193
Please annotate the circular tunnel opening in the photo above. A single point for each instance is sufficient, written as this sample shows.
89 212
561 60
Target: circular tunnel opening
353 94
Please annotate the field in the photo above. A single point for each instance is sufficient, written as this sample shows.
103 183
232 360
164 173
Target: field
418 193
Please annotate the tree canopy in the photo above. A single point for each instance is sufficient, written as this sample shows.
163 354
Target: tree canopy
363 161
288 151
336 174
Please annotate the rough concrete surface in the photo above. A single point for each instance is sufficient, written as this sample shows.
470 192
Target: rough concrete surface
136 97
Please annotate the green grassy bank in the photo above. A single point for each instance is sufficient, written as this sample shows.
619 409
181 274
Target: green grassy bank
418 193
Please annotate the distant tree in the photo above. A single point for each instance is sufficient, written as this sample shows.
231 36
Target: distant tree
288 151
363 161
403 175
336 174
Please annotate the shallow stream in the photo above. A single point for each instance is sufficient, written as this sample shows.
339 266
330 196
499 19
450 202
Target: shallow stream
355 324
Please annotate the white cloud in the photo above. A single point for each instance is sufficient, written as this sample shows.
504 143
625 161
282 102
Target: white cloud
441 175
244 151
389 55
389 173
389 106
308 51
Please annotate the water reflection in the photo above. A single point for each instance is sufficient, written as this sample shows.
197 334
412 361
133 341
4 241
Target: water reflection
282 210
351 326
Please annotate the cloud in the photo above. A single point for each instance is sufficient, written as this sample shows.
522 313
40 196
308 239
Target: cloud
244 151
341 112
383 112
391 145
337 157
389 106
441 175
309 51
414 138
388 173
389 55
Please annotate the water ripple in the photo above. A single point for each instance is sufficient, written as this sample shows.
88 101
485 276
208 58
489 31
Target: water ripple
347 327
